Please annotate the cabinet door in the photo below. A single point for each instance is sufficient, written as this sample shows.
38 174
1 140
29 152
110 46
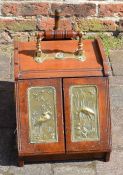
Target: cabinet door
39 117
87 119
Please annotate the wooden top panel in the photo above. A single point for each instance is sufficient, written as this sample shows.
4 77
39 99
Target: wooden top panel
26 67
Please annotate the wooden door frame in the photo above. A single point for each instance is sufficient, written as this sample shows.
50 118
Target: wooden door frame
104 144
24 147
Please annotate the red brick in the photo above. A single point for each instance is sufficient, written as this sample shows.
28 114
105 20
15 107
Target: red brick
10 9
83 10
46 23
32 9
24 9
65 23
42 8
111 10
5 38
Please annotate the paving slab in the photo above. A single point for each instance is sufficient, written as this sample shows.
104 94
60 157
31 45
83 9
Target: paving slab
116 100
117 127
4 170
6 62
115 80
116 91
34 169
75 168
116 58
113 167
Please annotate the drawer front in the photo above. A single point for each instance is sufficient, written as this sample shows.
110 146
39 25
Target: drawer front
39 116
87 119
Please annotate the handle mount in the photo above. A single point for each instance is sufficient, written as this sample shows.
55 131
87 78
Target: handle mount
57 34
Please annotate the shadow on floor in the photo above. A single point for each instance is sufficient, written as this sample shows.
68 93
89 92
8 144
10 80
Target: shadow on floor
8 151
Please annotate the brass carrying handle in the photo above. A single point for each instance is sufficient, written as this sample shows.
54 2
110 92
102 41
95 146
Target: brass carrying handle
60 35
40 56
57 33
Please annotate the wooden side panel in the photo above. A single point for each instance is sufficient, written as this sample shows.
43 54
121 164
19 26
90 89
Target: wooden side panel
32 122
89 138
105 61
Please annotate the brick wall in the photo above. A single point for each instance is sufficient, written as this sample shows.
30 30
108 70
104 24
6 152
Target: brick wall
22 18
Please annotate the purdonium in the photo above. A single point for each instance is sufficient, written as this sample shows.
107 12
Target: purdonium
62 98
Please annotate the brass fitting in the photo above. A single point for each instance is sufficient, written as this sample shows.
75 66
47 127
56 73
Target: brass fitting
80 51
38 53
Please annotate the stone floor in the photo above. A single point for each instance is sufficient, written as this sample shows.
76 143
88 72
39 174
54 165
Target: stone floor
8 157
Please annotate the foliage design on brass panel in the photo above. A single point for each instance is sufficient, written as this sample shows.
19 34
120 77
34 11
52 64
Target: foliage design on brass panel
84 113
42 114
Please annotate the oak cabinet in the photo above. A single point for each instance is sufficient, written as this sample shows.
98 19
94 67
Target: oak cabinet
62 106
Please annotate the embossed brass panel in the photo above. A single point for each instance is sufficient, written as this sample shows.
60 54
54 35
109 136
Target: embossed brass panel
42 114
84 113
